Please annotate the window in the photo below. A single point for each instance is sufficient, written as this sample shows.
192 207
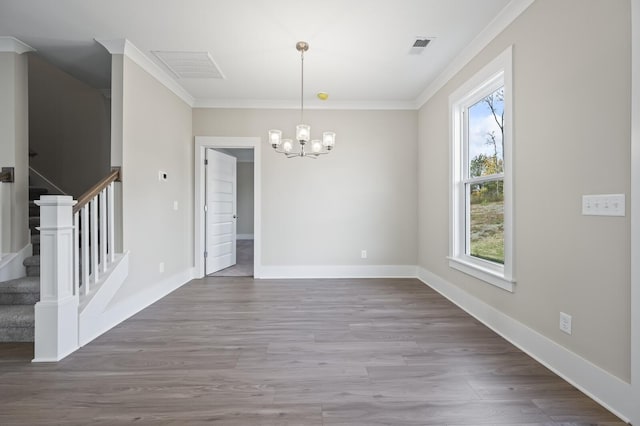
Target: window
481 231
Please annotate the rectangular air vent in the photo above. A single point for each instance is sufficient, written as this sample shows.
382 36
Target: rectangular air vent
421 42
190 64
419 45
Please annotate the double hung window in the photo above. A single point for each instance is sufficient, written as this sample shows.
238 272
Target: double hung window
481 242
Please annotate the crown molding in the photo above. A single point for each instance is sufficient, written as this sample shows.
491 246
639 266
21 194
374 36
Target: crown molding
12 44
506 16
128 49
313 105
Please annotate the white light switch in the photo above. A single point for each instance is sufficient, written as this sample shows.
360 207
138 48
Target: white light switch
603 205
175 205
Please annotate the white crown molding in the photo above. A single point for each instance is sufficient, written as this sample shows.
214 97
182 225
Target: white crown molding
506 16
128 49
12 44
600 385
312 105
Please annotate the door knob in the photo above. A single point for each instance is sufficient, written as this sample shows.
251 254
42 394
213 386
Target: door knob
235 217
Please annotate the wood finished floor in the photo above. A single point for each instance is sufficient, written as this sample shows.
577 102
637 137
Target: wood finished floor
234 351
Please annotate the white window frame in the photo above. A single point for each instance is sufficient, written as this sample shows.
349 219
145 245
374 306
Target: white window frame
494 75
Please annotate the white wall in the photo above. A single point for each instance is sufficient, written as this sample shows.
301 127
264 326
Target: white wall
69 128
156 135
324 212
14 140
572 137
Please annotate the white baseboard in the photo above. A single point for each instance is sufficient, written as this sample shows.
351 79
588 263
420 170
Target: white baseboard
139 301
336 271
11 266
244 236
605 388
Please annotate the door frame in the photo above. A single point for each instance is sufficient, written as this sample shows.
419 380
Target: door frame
201 145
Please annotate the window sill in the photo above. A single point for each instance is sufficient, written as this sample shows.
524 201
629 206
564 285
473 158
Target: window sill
485 274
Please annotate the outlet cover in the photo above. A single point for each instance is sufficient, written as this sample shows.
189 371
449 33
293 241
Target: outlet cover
363 254
565 322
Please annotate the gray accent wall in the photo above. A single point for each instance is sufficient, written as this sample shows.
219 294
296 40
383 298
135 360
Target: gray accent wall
245 198
14 145
69 128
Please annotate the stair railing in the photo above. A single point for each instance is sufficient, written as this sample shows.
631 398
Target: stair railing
76 249
93 240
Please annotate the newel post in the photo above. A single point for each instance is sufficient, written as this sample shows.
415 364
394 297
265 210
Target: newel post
56 314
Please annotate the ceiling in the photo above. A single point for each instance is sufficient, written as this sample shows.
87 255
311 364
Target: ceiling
360 50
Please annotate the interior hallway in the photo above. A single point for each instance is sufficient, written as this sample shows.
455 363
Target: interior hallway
244 261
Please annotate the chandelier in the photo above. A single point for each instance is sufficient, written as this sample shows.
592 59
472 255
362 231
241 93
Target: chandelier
303 131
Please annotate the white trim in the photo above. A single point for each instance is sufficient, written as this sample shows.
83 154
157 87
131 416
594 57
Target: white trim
603 387
635 208
339 271
135 303
201 144
316 105
128 49
12 44
244 236
495 74
485 274
495 27
11 266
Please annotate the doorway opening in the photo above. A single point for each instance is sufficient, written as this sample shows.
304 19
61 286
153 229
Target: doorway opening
227 207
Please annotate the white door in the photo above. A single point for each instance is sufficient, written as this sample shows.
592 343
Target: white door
220 223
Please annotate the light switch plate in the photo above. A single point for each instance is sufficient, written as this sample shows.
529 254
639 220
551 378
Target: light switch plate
603 205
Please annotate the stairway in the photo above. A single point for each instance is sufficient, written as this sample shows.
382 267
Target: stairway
17 297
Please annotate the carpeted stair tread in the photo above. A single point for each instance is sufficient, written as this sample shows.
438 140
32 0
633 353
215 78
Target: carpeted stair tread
17 323
21 291
21 285
32 261
17 316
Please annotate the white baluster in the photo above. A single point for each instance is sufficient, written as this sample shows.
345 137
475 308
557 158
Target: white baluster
84 265
110 216
76 253
93 211
103 230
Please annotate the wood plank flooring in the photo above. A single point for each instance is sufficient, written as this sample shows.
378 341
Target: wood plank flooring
238 351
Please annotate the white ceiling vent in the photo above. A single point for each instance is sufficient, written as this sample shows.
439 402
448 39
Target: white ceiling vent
419 45
190 64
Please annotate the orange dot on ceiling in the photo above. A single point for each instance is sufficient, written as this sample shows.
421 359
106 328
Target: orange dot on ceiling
323 96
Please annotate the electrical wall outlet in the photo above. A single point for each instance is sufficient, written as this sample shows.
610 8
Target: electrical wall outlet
161 267
175 205
565 322
363 254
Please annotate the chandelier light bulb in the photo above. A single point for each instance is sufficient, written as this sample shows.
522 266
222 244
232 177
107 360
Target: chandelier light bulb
329 139
316 145
287 145
275 138
303 132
